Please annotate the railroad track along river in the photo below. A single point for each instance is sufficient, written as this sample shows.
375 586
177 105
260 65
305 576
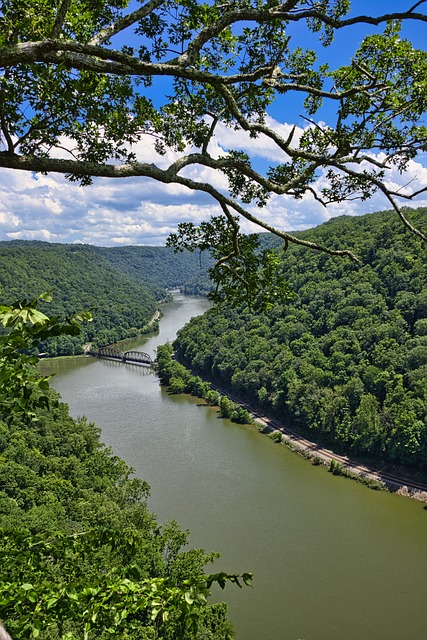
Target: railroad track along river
311 450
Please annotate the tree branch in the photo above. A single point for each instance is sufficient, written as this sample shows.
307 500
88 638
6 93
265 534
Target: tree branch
127 21
60 17
168 176
5 131
80 56
389 195
287 12
360 19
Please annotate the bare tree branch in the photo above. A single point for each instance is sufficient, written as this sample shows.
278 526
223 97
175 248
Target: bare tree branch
168 176
360 19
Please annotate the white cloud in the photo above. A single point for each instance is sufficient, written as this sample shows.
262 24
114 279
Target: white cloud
143 211
34 234
8 220
261 146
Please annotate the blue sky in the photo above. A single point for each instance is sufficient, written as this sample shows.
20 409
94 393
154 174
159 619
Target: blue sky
141 211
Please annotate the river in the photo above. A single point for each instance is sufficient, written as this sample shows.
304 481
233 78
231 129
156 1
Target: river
331 559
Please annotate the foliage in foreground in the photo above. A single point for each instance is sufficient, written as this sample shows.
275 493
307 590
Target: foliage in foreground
346 360
81 555
24 327
46 590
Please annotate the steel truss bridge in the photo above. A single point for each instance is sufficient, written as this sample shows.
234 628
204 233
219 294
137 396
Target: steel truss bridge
131 357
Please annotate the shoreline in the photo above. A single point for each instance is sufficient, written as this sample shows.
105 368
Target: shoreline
343 466
337 464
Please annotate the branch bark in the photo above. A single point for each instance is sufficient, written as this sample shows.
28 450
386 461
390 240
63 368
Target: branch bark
60 17
125 22
168 176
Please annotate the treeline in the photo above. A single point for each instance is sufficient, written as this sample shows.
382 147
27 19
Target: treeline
81 554
346 360
180 380
122 286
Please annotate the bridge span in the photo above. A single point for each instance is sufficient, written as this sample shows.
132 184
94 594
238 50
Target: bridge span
111 352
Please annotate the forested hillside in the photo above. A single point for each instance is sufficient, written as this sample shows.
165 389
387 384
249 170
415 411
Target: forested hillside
160 267
122 286
346 360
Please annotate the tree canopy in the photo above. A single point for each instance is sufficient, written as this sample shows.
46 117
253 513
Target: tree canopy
76 100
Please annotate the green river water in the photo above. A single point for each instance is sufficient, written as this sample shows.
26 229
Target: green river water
331 559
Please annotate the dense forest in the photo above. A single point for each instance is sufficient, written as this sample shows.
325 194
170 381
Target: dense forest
346 360
122 286
161 268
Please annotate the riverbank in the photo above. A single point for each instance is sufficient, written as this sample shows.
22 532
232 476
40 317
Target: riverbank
337 464
152 325
342 465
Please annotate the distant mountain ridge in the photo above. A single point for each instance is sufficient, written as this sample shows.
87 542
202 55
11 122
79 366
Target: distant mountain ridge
160 267
122 285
